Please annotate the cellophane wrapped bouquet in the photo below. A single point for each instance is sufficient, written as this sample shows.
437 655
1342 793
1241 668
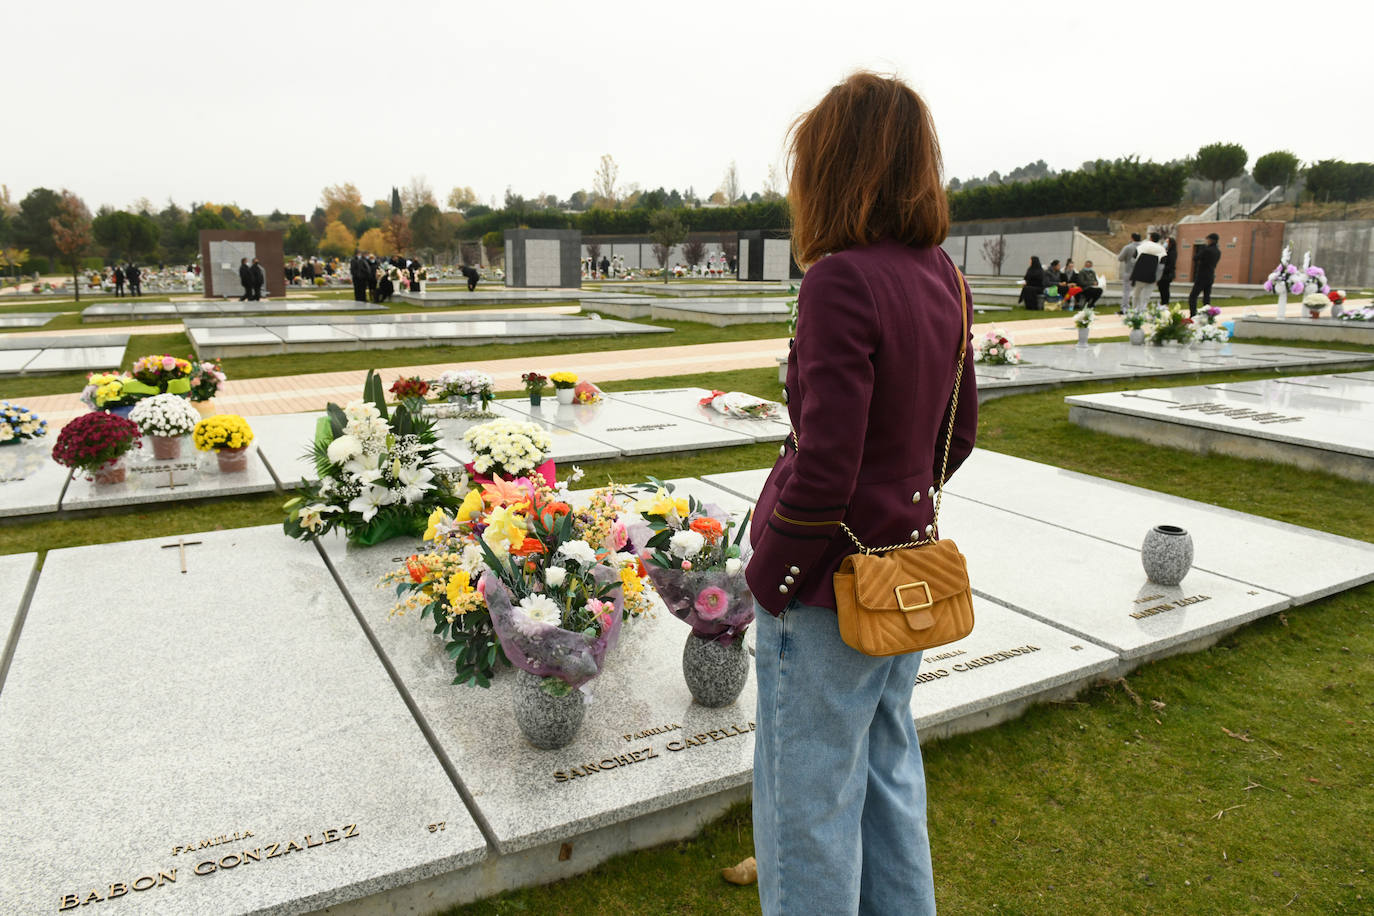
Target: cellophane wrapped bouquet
695 557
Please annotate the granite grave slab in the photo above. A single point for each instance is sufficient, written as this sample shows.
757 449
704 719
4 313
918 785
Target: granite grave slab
722 311
248 751
566 444
283 443
12 362
632 429
644 747
31 483
1304 328
1299 562
686 403
1095 588
16 574
12 320
192 476
1008 662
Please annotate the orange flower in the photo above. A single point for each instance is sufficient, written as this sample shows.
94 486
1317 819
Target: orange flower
417 569
512 493
708 528
529 546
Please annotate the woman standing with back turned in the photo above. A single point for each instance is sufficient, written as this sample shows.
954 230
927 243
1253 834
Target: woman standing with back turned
839 788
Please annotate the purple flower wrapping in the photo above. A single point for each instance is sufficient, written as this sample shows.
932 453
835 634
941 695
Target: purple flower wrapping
713 603
545 650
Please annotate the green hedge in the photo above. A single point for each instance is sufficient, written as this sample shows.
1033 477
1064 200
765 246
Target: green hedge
1123 184
36 265
762 215
1332 179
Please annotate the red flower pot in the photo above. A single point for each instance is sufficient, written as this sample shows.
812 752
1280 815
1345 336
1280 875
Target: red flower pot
166 448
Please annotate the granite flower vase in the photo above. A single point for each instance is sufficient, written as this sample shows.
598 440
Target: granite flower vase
1137 337
548 722
1167 554
1082 337
166 448
715 670
232 460
565 395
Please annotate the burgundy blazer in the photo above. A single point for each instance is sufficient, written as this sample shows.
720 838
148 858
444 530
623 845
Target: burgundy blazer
868 390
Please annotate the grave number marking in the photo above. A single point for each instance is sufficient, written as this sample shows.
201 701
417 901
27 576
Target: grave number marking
435 828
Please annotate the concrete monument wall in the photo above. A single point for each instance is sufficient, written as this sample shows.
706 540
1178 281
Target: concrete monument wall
1342 248
221 249
543 257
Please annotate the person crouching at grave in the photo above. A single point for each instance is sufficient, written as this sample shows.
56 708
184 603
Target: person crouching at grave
385 288
1149 263
470 272
1086 279
839 784
259 280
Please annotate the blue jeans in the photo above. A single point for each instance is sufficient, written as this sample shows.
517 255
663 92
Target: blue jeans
839 787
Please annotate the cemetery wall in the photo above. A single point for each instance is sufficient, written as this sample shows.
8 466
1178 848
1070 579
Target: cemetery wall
543 258
1343 248
1249 248
222 273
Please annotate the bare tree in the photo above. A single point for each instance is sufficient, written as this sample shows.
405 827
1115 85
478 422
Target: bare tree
694 252
772 188
730 186
995 250
604 182
594 253
416 194
729 246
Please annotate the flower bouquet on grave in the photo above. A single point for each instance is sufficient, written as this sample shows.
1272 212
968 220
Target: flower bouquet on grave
228 436
534 383
1210 333
378 473
96 443
997 349
565 385
468 385
18 423
1085 318
161 375
207 377
586 393
1172 325
1208 314
165 418
410 390
740 406
697 568
509 448
110 391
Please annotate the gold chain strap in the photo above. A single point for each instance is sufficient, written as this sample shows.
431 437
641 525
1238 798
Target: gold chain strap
949 439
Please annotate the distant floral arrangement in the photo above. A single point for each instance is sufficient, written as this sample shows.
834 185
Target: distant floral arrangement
997 349
509 448
19 423
166 415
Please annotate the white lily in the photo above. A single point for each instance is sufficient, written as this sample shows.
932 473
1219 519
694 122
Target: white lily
370 501
414 482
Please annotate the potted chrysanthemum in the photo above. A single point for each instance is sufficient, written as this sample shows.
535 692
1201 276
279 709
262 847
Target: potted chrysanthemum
165 419
565 384
96 443
228 436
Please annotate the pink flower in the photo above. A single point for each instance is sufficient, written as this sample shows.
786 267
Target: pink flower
618 537
169 362
712 602
686 564
602 611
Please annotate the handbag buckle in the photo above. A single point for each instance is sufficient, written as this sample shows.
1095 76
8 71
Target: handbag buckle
902 601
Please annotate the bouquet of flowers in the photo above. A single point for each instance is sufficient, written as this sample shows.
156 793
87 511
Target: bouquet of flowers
19 423
1085 318
466 383
1286 277
206 378
378 473
1316 278
564 379
1314 303
509 448
1172 325
586 393
534 381
1208 314
94 440
559 581
694 563
411 388
108 390
163 374
739 405
1207 332
222 431
997 349
1133 318
1363 314
166 415
1337 296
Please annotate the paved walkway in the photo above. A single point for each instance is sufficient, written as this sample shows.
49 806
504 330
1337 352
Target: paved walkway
295 393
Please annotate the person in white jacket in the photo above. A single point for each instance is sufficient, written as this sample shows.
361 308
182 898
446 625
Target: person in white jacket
1149 257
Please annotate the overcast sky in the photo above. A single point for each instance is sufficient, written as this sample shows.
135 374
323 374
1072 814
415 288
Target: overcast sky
264 104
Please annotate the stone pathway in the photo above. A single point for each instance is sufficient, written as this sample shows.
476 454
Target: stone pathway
295 393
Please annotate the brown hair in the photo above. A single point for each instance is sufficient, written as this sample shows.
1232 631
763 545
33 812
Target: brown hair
865 165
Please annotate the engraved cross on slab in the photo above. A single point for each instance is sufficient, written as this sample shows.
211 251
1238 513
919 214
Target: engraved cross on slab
181 546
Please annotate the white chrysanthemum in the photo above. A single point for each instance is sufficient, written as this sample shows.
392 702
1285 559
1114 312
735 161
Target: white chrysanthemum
541 609
686 544
555 576
6 432
732 566
578 552
344 448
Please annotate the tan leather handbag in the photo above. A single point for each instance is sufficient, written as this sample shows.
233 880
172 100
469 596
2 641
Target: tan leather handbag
912 596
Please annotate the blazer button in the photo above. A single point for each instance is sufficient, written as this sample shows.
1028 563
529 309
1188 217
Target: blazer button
794 571
916 497
932 491
915 534
783 589
782 450
789 580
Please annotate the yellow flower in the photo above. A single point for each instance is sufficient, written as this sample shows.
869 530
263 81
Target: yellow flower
472 504
504 527
630 581
663 504
458 586
435 518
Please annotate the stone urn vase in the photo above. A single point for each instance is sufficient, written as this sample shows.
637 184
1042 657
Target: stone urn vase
1082 337
548 722
715 671
1167 554
1137 337
232 460
166 448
